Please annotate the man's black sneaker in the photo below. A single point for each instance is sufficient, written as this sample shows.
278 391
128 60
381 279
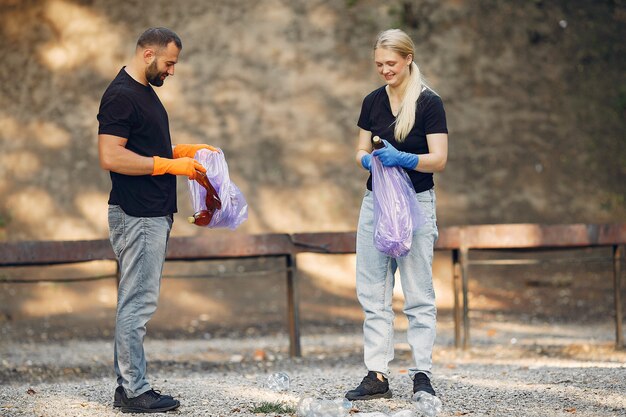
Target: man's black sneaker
120 393
421 382
149 402
370 388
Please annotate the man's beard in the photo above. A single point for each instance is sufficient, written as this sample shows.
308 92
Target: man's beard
153 75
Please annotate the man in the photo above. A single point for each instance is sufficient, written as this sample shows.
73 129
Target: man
135 146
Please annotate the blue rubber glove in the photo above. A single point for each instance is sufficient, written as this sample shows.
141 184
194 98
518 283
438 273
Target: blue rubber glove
366 161
391 157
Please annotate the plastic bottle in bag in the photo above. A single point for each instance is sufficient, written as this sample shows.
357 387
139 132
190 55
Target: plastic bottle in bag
216 200
212 201
201 218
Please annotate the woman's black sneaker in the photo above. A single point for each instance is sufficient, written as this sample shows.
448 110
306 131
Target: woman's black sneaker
421 382
120 393
149 402
117 397
370 388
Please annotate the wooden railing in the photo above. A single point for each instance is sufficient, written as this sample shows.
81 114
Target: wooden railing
461 241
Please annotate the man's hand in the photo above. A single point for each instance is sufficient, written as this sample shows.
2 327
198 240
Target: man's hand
391 157
189 150
180 166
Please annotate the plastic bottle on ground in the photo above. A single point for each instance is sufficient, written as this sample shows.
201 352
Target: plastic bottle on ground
312 407
404 413
304 406
344 403
427 404
278 381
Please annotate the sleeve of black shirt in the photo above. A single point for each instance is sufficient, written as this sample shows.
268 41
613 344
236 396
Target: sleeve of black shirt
116 116
435 116
364 118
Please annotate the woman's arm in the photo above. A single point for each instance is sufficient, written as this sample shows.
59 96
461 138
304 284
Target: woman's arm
437 156
433 161
364 146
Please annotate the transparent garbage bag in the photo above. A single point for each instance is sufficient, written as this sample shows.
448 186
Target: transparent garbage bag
396 211
234 208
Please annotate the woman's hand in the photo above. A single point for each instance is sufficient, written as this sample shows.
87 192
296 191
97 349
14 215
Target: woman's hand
366 161
391 157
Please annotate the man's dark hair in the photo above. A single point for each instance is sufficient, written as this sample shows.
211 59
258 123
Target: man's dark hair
159 37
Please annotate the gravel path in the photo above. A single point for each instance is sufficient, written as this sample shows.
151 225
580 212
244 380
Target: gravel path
547 373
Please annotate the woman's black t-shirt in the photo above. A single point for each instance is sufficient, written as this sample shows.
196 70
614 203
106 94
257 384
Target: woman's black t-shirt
133 111
430 117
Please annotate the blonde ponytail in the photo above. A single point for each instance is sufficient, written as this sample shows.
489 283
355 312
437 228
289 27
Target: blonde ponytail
406 114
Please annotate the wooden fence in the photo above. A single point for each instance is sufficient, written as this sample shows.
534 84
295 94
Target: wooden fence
460 241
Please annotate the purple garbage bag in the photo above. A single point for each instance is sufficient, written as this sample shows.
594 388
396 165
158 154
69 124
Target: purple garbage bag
396 211
234 209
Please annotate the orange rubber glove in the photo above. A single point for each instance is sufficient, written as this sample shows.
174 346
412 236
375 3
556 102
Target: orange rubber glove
190 150
181 166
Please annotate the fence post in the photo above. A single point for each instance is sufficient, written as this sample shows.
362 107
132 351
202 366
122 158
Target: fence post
456 287
617 290
293 307
465 284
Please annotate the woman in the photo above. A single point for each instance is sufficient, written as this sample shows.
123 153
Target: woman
411 120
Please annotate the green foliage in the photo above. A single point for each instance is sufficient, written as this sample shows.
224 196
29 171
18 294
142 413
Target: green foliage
276 408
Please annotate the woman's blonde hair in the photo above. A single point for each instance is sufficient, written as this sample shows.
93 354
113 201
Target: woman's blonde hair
398 41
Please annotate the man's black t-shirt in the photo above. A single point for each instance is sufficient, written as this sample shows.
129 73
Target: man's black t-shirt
430 117
133 111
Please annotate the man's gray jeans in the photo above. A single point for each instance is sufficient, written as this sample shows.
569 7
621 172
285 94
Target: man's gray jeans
139 244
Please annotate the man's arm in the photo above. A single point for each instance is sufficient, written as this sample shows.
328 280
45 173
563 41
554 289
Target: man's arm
115 157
